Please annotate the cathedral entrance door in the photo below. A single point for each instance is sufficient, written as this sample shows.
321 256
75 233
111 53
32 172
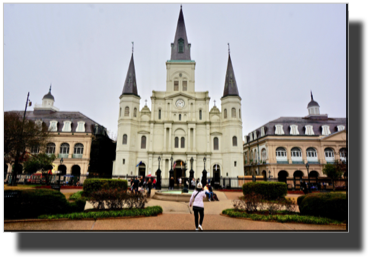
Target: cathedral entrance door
142 170
178 172
216 172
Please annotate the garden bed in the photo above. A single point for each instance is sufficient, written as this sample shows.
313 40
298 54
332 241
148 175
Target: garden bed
62 187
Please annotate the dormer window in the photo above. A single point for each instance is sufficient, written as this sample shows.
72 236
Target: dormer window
262 132
294 130
309 130
39 123
181 46
66 126
340 128
53 126
326 130
254 135
279 130
80 127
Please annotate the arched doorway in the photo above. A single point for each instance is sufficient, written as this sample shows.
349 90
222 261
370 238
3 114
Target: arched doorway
264 173
297 176
62 169
179 172
282 175
75 170
141 170
216 173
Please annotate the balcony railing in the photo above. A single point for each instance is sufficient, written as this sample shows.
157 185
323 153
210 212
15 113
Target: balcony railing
313 162
282 162
297 162
77 156
63 155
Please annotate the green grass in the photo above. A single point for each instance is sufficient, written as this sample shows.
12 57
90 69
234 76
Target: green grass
76 195
295 218
134 212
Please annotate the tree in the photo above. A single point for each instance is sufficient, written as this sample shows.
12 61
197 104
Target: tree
333 171
41 161
20 136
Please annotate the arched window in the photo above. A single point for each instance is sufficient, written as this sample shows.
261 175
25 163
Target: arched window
143 142
35 149
135 112
311 155
281 155
125 139
176 142
50 148
234 141
225 113
263 154
65 148
120 112
216 143
296 155
182 142
78 150
239 114
126 111
233 112
329 155
159 114
343 154
200 114
180 45
179 117
254 155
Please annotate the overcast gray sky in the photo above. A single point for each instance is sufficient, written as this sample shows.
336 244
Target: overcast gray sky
279 53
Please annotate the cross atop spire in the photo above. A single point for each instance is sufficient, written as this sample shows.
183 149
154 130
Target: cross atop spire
180 47
311 94
132 47
214 103
50 89
228 48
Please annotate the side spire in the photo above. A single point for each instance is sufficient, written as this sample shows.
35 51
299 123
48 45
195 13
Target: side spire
130 85
180 47
230 85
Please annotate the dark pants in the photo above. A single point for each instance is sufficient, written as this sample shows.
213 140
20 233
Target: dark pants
149 188
198 210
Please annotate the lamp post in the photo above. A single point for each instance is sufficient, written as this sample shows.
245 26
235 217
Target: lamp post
307 168
204 173
158 183
191 170
269 174
59 174
171 173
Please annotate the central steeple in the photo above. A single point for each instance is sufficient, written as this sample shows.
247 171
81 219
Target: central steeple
180 47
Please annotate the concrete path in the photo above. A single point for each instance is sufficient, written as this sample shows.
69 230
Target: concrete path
177 216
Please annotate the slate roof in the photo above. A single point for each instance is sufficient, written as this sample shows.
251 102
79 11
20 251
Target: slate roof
48 95
230 85
301 122
180 33
130 84
75 116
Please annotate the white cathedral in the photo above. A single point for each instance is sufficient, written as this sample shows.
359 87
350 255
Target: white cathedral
179 128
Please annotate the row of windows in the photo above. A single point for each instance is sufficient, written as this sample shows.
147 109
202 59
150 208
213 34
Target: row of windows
179 116
176 142
176 85
233 113
126 112
64 149
53 126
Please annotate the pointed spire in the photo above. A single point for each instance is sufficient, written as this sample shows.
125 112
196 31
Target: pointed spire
230 85
48 95
130 85
180 47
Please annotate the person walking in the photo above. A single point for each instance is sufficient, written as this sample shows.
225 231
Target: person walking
196 200
149 186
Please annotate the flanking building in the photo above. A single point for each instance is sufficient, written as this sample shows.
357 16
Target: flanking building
72 141
179 128
281 148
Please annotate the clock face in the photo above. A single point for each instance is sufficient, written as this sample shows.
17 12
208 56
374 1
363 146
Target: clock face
180 103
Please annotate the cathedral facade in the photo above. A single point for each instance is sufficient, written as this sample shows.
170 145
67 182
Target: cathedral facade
179 129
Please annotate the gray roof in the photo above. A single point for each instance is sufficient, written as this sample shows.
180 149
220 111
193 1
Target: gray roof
74 116
230 85
130 84
301 122
312 103
48 95
180 33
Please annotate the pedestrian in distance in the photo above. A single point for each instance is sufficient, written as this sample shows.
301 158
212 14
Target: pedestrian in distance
149 186
196 200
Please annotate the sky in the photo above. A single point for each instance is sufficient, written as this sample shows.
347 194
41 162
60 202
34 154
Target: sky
279 52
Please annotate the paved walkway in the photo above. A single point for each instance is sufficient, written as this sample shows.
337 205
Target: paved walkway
176 216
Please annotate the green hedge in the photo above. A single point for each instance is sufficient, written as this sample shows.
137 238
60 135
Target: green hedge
300 199
269 190
329 205
95 184
133 212
30 203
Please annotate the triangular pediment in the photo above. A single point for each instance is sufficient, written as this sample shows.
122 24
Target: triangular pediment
180 94
337 136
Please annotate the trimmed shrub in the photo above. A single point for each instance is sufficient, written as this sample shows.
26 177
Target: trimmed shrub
77 195
96 184
300 199
30 203
329 205
269 190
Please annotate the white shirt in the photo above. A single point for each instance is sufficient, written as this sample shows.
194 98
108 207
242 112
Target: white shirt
198 201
